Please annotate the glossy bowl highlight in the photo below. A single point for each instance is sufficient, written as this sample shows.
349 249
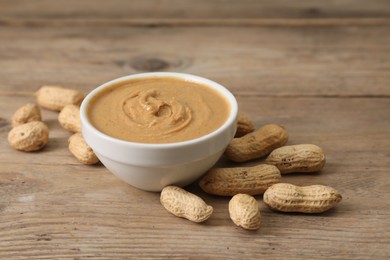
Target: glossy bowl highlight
151 167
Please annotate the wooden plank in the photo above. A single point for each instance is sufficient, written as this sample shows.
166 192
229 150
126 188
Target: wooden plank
283 61
53 207
190 9
259 22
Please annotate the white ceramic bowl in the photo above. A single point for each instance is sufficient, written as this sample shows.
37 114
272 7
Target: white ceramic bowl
151 167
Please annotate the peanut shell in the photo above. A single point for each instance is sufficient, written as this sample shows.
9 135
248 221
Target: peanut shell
69 118
81 150
244 125
256 144
231 181
29 137
184 204
287 197
55 98
244 211
27 113
297 158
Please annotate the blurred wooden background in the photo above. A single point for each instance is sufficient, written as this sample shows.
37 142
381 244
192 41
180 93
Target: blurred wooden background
319 68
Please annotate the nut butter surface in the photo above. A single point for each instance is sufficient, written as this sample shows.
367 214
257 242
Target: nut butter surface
158 110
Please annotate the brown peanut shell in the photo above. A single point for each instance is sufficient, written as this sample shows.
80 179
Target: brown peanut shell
297 158
69 118
27 113
29 137
256 144
55 98
184 204
287 197
244 211
81 150
244 125
231 181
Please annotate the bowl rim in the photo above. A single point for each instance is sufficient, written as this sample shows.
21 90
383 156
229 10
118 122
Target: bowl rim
185 76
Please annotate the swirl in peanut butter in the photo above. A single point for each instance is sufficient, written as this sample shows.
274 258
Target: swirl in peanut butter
158 110
158 114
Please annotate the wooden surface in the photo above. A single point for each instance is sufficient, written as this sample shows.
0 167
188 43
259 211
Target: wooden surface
319 68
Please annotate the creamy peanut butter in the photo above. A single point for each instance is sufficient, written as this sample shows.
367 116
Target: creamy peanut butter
158 110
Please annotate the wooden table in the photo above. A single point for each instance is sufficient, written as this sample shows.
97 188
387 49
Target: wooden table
319 68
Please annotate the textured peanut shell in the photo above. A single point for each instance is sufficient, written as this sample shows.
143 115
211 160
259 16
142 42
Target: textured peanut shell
297 158
184 204
305 199
244 125
231 181
69 118
55 98
29 137
244 211
81 150
256 144
27 113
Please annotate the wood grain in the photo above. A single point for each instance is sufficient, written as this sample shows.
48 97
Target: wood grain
328 85
192 9
52 206
210 22
189 13
303 61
